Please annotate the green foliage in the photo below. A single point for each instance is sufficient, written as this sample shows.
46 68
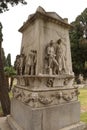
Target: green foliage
8 60
83 102
83 117
10 71
4 4
83 97
78 39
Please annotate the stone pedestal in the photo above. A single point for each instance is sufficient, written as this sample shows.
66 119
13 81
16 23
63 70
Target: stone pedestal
58 117
43 107
44 97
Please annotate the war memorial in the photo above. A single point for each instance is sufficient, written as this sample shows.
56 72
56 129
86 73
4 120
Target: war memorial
44 97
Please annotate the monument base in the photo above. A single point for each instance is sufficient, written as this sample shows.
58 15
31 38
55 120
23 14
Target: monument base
77 126
57 117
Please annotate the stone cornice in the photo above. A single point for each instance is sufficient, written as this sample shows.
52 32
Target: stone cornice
44 17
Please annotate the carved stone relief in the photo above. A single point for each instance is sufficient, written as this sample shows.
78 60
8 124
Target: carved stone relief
31 60
50 57
19 64
50 82
45 100
39 99
55 58
26 65
44 81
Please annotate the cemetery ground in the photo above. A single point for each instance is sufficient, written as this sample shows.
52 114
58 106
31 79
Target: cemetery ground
83 101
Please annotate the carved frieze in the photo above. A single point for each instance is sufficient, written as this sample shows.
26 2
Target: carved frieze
40 99
50 82
45 100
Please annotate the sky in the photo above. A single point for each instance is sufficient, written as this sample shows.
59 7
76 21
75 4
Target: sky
13 19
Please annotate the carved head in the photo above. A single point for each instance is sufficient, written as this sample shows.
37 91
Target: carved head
51 42
59 41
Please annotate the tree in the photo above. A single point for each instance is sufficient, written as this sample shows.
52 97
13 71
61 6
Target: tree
4 97
8 60
78 39
3 56
4 4
9 73
82 19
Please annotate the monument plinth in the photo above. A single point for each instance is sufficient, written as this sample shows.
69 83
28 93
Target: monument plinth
44 97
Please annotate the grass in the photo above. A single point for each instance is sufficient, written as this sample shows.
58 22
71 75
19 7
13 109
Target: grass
83 97
83 102
83 117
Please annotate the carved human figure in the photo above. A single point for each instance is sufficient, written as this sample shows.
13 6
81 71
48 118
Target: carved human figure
19 64
52 62
61 56
31 63
28 64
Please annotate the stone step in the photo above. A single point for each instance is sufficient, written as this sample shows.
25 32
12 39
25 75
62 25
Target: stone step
77 126
4 124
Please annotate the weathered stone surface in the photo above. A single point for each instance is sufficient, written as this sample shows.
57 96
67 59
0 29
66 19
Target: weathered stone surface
13 123
42 80
4 124
45 118
77 126
41 97
38 31
44 97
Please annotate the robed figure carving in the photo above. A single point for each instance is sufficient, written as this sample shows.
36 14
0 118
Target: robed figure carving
56 57
51 58
61 56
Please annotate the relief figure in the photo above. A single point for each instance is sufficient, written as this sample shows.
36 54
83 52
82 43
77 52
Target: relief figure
31 61
19 64
51 58
60 57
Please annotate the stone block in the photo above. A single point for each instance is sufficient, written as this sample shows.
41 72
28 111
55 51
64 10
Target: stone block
45 118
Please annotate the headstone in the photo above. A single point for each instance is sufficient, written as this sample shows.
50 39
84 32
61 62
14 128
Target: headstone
44 97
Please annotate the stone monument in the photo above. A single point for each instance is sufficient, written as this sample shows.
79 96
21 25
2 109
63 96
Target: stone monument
44 97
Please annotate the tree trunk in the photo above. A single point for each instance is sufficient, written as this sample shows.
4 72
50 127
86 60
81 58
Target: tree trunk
7 81
4 97
11 83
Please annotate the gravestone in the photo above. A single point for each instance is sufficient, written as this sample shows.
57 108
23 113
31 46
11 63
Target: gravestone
44 97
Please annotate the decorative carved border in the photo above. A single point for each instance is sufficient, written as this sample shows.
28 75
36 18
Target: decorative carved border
40 99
